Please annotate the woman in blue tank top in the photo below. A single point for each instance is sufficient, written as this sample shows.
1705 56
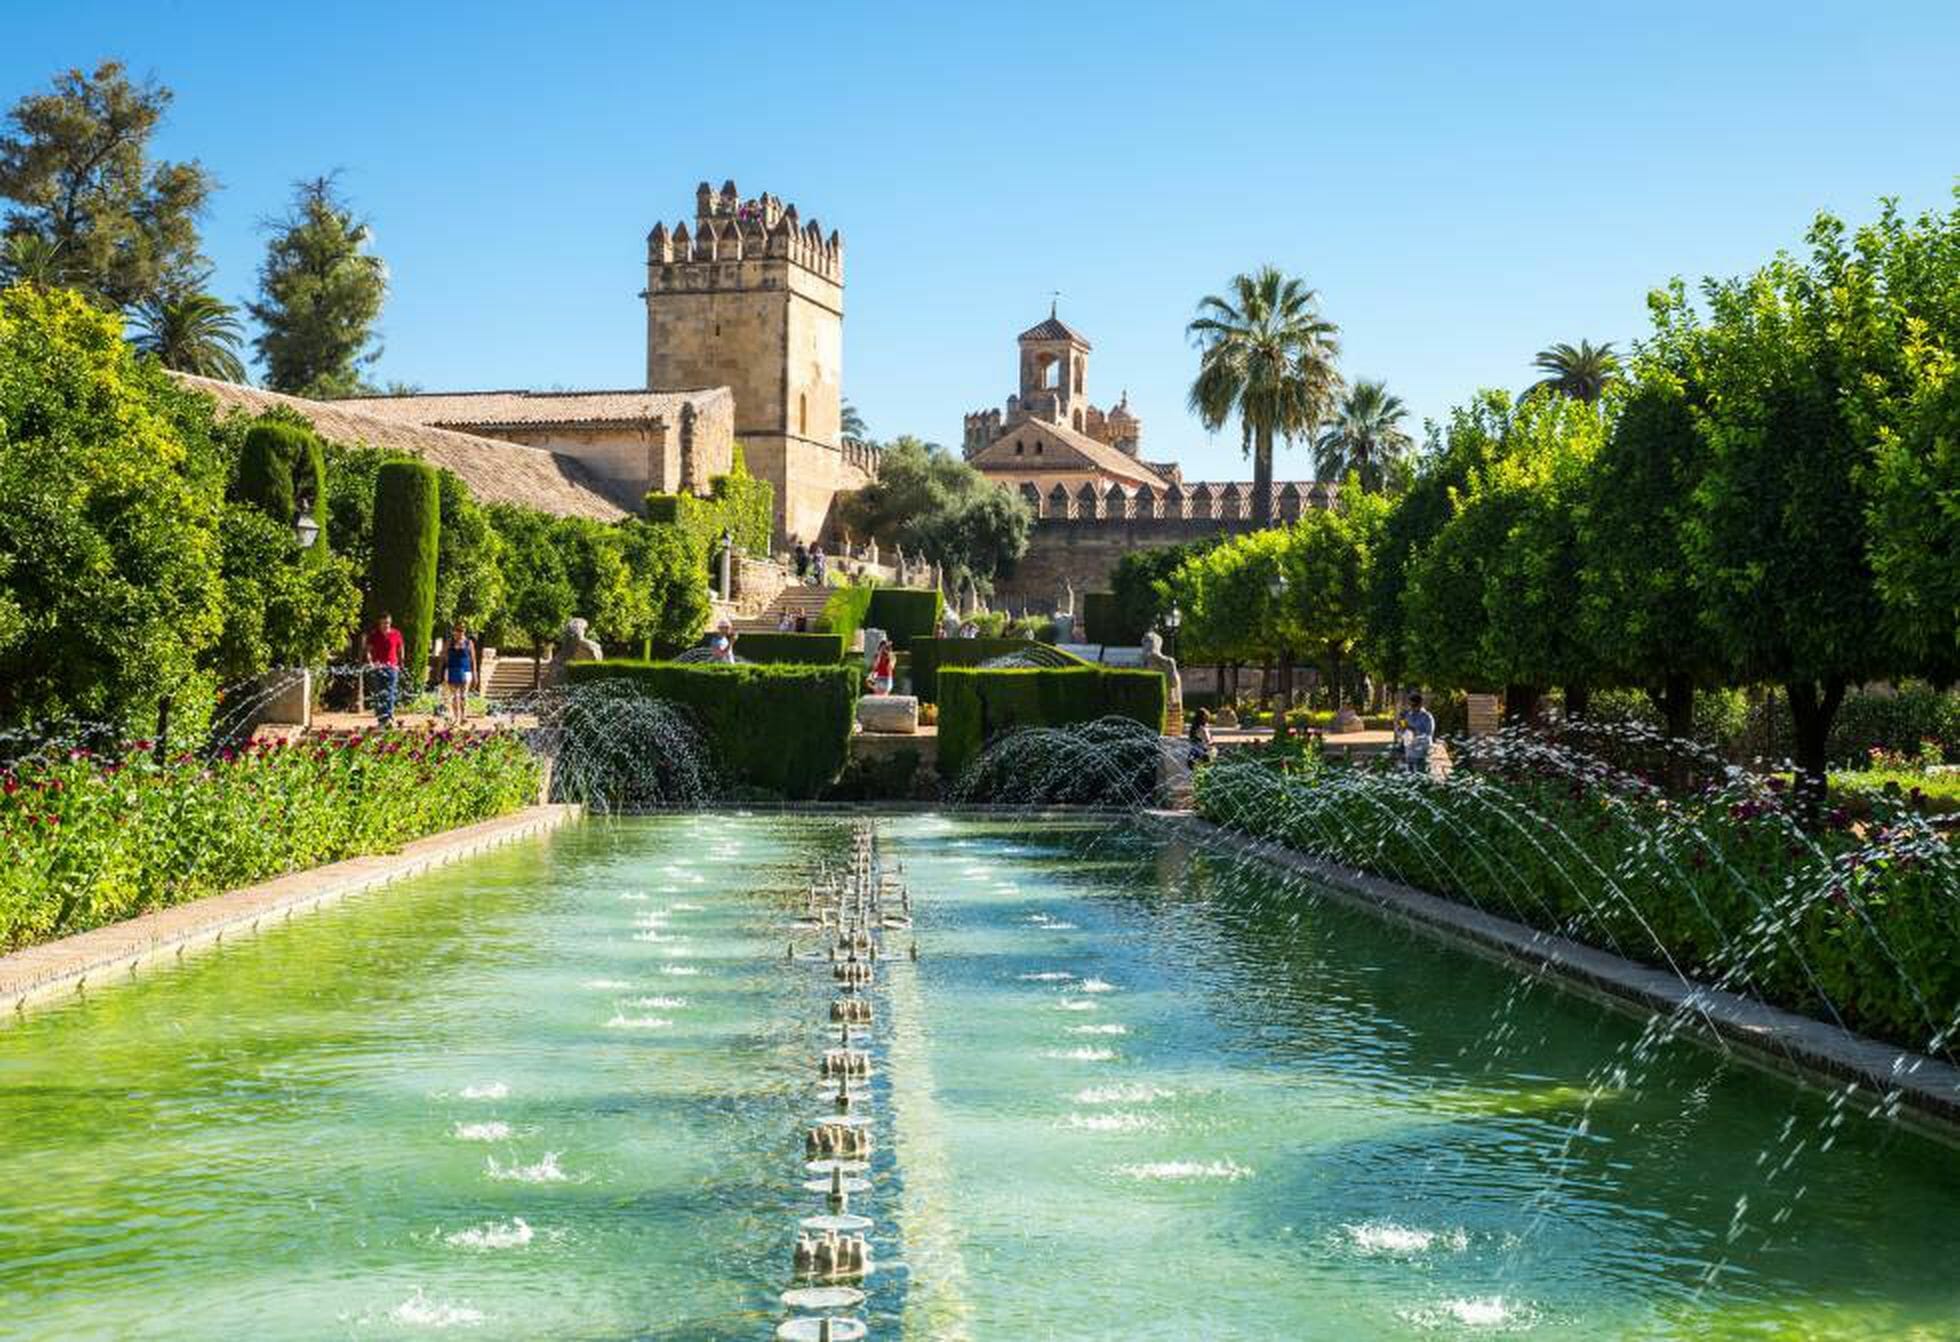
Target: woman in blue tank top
458 670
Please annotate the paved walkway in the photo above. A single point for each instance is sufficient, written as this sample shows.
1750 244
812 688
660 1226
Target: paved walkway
110 954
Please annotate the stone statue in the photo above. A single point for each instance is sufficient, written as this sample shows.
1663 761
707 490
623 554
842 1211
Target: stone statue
871 551
1155 660
1065 603
573 646
949 621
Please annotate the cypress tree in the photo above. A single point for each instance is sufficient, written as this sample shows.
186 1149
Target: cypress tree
402 572
283 472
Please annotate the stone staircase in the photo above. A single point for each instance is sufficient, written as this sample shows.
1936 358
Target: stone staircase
510 678
793 601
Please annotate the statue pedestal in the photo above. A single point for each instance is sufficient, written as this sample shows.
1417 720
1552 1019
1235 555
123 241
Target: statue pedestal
1345 721
889 714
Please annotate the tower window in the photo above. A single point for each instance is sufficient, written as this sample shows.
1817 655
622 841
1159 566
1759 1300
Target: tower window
803 413
1078 380
1078 414
1017 447
1037 449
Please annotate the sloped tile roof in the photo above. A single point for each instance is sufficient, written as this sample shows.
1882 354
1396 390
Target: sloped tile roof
496 472
1086 452
1054 329
483 409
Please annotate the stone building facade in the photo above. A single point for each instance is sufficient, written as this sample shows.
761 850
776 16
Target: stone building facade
752 298
631 442
1082 474
745 343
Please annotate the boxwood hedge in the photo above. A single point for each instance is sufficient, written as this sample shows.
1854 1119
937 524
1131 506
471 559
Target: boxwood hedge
929 654
786 729
905 613
796 649
976 705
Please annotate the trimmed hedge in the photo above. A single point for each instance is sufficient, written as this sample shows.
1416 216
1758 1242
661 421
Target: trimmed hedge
793 649
280 465
402 567
845 611
737 502
929 654
1099 623
905 613
786 729
976 705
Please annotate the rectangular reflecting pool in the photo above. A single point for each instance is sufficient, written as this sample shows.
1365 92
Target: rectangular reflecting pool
1126 1091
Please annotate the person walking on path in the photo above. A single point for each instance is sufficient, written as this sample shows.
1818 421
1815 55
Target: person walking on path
458 671
881 668
384 656
1418 734
802 554
816 566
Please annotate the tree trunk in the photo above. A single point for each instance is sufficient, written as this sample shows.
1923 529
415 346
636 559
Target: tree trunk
1578 701
1520 704
1262 479
1812 710
1280 725
1334 680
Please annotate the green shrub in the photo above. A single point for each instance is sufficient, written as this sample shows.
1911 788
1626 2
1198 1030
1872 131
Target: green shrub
1684 882
737 502
844 612
92 840
930 654
111 487
282 471
976 705
1099 624
786 729
905 613
402 571
791 649
280 608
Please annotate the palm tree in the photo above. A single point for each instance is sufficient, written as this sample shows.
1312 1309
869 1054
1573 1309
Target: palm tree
1268 358
850 425
1584 373
1365 439
192 333
27 258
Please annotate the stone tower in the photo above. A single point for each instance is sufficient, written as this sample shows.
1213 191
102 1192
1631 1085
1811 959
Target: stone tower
1054 373
751 298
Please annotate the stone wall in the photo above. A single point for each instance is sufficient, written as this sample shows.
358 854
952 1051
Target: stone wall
1079 538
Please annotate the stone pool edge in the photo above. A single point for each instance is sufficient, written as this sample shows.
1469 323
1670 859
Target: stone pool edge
1771 1037
86 960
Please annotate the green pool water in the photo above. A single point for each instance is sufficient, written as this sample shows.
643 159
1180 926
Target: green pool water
1127 1091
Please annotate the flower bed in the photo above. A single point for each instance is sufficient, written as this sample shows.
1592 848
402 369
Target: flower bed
1854 924
92 839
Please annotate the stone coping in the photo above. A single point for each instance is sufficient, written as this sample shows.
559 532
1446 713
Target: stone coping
113 953
1927 1090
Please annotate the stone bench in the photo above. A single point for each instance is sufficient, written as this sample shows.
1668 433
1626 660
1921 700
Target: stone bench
889 714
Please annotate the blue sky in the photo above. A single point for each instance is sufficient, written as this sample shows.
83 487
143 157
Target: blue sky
1463 184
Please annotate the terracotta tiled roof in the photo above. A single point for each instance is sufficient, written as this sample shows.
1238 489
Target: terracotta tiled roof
485 409
1083 452
1054 329
496 472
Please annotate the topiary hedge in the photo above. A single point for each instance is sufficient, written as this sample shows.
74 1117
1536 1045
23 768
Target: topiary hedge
282 470
905 613
844 613
786 729
976 705
930 654
791 649
1099 619
402 569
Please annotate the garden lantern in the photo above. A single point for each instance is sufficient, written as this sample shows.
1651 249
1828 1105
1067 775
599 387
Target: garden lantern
306 531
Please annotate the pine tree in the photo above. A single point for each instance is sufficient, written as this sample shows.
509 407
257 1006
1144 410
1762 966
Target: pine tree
320 292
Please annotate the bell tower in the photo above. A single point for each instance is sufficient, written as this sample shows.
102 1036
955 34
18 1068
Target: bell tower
752 298
1054 373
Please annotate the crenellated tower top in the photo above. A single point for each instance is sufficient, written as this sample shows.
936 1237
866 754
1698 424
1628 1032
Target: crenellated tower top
728 228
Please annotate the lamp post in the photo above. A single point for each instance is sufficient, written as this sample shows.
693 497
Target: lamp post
727 563
1276 589
1173 621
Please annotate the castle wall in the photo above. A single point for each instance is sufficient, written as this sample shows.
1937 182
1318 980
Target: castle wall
1084 552
634 458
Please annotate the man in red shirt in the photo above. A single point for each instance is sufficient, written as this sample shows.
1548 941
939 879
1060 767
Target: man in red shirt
384 654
